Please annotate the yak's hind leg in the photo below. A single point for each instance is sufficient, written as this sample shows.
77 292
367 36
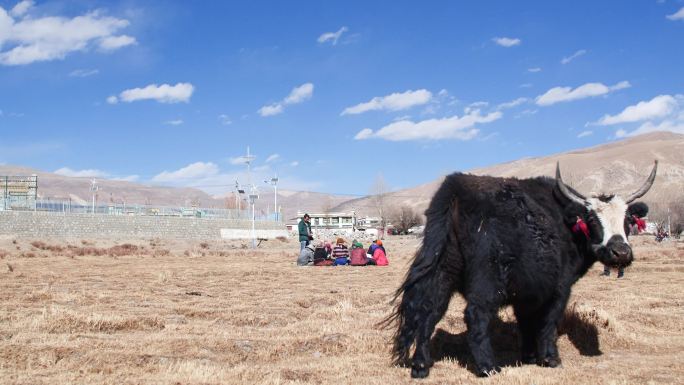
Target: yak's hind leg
484 300
432 310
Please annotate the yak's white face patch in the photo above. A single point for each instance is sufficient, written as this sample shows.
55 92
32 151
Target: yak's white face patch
611 214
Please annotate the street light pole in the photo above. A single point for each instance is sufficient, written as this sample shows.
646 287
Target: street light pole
94 187
253 196
274 182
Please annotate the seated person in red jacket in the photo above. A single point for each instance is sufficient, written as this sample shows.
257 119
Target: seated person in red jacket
358 255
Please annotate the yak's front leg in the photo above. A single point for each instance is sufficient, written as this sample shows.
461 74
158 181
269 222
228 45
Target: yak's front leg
547 335
527 326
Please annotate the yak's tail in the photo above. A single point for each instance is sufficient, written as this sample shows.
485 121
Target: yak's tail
422 279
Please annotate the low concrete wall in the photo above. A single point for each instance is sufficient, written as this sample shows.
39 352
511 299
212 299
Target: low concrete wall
247 233
60 225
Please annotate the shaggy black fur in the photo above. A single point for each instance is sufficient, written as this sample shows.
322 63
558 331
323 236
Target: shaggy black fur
497 242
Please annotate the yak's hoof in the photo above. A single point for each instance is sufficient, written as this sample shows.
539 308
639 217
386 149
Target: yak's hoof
420 370
550 362
488 371
529 359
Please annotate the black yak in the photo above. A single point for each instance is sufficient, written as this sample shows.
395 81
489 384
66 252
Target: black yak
507 241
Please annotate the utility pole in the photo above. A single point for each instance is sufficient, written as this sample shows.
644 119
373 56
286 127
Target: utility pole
253 196
274 182
94 187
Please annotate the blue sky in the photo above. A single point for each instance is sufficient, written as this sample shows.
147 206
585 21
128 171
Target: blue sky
328 94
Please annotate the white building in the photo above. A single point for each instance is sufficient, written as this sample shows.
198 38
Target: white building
339 220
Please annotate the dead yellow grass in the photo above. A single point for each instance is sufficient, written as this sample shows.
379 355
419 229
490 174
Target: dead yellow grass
163 312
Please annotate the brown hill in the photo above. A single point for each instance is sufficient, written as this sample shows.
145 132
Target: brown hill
618 167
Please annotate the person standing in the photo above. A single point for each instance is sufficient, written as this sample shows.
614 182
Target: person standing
305 235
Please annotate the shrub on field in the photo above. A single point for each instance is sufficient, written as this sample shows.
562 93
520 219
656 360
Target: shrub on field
121 250
40 245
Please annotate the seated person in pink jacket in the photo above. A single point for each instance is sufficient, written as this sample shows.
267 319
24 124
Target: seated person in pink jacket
379 254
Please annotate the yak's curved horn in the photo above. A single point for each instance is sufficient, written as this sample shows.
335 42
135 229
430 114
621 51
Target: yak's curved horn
647 185
572 195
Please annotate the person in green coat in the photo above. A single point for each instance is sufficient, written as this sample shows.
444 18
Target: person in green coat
305 235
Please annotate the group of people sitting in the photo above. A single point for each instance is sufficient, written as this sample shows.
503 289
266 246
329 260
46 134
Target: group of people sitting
324 254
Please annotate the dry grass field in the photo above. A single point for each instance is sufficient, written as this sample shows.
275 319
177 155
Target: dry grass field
159 312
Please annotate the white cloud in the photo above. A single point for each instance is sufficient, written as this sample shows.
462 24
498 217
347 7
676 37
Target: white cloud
393 102
512 103
164 93
620 133
112 43
82 73
273 109
574 56
294 163
299 94
506 41
584 134
238 160
526 85
535 69
21 8
455 127
662 113
679 15
524 113
225 119
25 39
88 173
296 96
658 107
566 94
175 122
332 36
191 171
272 157
364 134
94 173
475 106
672 125
127 178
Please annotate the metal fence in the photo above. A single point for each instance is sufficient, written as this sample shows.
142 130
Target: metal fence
68 207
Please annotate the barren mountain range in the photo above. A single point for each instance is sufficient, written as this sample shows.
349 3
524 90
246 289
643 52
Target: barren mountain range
618 167
77 189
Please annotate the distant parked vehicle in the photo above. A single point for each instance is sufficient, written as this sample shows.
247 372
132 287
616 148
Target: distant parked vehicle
416 230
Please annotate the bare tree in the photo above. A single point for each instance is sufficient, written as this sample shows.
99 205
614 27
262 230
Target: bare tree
379 192
405 218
